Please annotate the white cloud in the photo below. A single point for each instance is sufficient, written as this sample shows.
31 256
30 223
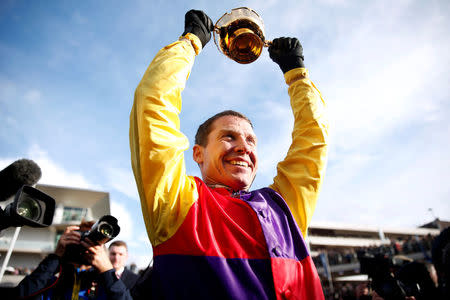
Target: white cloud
52 173
8 91
385 100
125 220
144 257
144 238
32 96
383 83
349 166
122 180
12 93
141 260
273 147
395 187
379 77
334 2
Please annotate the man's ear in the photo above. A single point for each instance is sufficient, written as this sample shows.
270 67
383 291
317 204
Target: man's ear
197 154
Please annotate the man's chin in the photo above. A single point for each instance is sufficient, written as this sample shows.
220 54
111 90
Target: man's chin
240 185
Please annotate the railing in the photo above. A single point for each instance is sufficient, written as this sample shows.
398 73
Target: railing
353 266
27 246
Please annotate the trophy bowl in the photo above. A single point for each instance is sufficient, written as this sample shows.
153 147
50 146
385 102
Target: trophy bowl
240 35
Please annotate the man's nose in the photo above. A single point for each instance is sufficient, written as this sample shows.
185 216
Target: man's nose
242 146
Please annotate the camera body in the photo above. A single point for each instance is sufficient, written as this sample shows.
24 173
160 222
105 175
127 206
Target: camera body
30 207
104 230
381 269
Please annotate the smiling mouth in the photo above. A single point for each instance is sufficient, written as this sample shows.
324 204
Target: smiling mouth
239 163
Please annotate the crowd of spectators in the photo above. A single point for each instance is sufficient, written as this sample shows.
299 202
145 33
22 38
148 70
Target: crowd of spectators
431 277
399 246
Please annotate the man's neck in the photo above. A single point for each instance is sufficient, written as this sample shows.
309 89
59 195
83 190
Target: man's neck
219 185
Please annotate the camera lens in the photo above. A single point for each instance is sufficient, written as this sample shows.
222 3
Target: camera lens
106 229
29 208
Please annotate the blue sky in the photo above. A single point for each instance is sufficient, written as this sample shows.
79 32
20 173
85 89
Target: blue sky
68 70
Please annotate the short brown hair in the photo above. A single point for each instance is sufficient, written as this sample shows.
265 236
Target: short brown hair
118 244
201 137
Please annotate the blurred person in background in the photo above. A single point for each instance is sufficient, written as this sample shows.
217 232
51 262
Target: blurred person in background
417 277
118 255
362 292
441 259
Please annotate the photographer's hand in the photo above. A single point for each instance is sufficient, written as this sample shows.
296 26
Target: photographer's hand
198 23
70 236
97 256
287 53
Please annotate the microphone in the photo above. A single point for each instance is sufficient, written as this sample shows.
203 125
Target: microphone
19 173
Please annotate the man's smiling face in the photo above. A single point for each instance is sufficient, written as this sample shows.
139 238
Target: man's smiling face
229 158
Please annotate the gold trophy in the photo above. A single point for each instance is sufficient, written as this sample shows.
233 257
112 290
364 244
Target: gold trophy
240 35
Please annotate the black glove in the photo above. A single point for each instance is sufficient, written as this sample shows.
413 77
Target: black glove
198 23
287 53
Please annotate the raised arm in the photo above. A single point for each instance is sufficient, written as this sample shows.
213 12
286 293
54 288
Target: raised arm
300 174
156 142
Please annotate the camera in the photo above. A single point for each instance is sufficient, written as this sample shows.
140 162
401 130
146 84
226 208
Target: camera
104 230
381 268
30 207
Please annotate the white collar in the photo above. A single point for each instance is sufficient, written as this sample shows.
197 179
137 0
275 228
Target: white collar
120 271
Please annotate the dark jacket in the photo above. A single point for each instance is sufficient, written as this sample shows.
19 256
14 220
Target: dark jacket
129 278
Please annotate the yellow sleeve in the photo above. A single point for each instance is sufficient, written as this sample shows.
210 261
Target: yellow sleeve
300 174
156 143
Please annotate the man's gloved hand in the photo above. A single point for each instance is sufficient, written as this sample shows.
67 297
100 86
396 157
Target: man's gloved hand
287 53
198 23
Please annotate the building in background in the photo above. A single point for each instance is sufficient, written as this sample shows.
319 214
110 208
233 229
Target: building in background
437 224
72 205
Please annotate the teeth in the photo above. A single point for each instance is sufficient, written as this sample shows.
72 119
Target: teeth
239 163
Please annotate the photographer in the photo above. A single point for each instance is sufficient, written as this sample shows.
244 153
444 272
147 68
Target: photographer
94 280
